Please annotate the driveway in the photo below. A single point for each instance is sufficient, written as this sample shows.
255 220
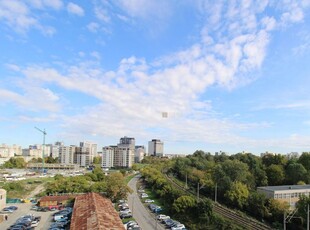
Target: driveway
142 215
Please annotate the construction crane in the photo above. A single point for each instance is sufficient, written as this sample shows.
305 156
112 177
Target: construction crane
44 133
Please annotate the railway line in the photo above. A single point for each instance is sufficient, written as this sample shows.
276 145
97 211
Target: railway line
245 222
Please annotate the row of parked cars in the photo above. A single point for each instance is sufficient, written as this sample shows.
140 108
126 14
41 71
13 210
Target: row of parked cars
26 223
125 212
61 219
164 219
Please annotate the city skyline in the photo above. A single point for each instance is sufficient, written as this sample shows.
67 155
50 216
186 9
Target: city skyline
198 75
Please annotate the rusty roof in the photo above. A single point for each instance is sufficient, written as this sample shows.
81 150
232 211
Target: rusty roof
92 211
57 198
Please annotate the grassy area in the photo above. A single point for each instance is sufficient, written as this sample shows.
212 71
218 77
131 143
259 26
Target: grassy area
129 177
21 189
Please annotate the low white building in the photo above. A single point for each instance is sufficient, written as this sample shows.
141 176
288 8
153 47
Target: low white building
286 193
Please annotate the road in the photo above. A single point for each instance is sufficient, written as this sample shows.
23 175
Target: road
142 215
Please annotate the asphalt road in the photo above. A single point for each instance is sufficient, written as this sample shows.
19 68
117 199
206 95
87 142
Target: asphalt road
142 215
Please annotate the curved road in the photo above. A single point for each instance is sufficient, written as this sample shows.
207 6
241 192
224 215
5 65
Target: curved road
142 215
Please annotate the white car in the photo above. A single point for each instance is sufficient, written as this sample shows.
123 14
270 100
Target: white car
178 227
144 195
141 190
162 217
149 201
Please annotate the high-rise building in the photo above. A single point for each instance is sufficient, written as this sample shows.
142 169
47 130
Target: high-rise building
83 156
54 149
89 148
125 152
108 156
67 154
156 148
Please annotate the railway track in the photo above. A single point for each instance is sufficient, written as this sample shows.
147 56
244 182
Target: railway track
245 222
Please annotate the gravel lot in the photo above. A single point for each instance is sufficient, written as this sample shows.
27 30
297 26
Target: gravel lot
24 209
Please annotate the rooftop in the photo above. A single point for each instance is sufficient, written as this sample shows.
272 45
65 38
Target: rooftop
285 187
95 212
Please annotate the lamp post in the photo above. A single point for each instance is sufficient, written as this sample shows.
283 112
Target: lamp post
44 133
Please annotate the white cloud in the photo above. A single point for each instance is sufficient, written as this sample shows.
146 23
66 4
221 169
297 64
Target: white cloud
96 55
233 43
19 15
93 27
75 9
34 99
102 14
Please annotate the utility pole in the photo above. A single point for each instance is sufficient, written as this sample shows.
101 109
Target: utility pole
215 195
284 221
308 217
186 182
198 191
44 133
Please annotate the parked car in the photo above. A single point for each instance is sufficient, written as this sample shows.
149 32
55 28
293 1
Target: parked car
162 217
148 201
144 195
34 208
168 222
125 215
13 207
178 227
130 223
125 211
141 190
7 210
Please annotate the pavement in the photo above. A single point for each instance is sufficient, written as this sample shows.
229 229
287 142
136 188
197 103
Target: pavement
24 209
141 214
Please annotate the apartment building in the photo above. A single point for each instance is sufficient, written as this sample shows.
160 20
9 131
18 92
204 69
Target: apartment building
90 148
82 156
108 156
66 154
10 151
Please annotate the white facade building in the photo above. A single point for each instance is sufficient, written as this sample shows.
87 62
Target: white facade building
156 148
108 157
10 151
66 154
91 149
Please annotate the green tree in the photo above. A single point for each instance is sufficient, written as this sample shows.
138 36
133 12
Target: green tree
276 159
302 206
116 187
275 174
277 209
238 194
295 172
15 162
257 205
304 159
97 160
184 203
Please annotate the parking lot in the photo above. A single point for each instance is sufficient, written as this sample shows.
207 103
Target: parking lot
24 209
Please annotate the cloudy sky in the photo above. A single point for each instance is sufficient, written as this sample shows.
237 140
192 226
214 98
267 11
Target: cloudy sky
231 75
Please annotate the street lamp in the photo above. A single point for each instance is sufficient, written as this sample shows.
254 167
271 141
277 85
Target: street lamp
44 133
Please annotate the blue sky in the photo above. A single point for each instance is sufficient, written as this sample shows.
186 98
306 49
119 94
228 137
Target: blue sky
232 75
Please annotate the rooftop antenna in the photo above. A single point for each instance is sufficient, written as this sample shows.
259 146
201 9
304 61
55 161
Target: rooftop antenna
44 133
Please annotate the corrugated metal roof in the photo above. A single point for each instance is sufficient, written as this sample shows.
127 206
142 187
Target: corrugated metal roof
94 212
